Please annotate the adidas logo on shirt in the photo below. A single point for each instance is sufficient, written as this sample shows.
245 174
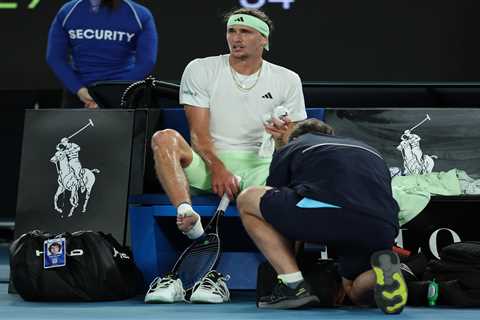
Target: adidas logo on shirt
268 95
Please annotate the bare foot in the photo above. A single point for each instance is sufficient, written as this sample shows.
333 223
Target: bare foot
185 223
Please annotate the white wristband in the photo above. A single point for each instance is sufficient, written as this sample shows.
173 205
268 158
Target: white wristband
196 231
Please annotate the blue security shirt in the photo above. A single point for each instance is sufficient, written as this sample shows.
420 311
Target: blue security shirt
88 44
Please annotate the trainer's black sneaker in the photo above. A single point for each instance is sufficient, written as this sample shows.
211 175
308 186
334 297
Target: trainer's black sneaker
390 288
284 297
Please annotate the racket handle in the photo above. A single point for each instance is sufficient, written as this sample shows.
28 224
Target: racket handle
224 202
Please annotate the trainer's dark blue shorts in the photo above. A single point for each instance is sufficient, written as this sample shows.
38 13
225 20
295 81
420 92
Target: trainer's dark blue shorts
354 236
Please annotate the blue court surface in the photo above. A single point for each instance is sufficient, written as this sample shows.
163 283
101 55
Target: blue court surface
241 307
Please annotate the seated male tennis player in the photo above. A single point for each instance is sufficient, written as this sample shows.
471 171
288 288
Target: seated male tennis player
330 190
225 99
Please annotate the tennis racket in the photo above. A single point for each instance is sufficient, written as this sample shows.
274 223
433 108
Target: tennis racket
203 254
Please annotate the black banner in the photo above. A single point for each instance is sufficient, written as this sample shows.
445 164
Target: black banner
75 170
416 141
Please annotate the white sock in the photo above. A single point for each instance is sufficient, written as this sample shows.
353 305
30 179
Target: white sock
291 279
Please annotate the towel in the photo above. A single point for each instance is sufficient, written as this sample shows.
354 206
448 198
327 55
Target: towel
268 143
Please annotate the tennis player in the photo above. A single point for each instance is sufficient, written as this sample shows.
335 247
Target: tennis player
226 98
330 190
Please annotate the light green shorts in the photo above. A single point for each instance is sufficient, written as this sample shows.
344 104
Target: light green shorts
247 164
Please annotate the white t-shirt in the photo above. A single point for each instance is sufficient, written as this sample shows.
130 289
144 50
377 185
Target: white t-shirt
235 114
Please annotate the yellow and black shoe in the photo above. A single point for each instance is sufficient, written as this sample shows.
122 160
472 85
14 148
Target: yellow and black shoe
390 289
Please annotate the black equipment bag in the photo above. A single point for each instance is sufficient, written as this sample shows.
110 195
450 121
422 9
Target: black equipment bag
457 275
322 275
97 268
459 261
467 252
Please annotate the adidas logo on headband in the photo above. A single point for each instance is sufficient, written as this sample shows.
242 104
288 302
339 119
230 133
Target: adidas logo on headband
239 19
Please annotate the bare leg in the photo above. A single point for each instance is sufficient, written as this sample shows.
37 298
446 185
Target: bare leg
274 246
360 290
171 154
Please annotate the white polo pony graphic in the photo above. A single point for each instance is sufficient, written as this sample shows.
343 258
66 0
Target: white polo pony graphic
414 160
71 175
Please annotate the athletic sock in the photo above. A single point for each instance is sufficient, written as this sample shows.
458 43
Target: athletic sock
292 280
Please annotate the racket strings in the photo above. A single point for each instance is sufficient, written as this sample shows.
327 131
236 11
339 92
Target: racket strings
193 256
213 247
201 257
198 258
198 261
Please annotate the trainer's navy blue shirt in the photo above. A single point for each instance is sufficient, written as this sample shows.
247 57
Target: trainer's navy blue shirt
340 171
88 44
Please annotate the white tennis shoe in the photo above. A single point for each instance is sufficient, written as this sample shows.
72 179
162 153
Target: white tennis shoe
168 289
212 288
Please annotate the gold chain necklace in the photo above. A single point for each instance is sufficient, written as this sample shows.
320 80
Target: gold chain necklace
238 83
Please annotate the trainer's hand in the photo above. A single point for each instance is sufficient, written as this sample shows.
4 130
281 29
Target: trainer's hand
85 97
223 181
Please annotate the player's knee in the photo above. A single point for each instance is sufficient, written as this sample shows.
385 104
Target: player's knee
163 139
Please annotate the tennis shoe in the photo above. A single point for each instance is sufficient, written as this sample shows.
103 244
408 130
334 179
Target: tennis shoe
390 288
284 297
168 289
212 288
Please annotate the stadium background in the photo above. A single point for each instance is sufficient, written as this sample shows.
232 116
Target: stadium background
342 40
324 41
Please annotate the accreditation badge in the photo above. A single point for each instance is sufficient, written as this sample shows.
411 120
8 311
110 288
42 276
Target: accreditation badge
54 253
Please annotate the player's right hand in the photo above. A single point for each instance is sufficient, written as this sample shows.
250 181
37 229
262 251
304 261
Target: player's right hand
223 181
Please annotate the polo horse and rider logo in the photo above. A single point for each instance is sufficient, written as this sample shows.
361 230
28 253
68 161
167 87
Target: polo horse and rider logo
414 160
71 176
